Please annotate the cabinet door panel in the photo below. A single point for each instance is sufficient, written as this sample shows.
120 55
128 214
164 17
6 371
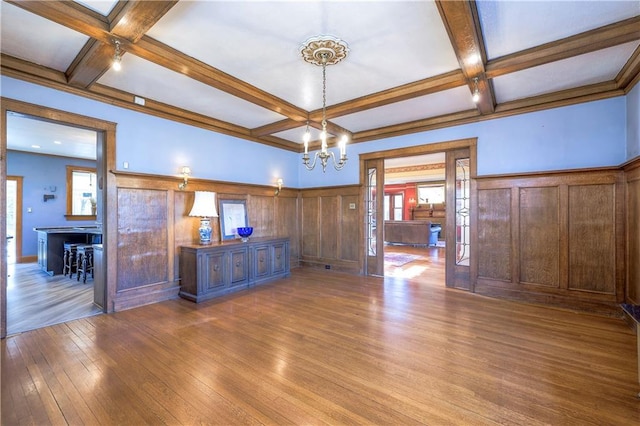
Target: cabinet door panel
239 266
261 261
214 278
279 258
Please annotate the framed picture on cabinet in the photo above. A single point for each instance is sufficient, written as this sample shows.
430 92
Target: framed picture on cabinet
233 214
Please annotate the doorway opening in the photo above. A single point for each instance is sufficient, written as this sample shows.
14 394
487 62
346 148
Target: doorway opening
21 311
414 217
40 291
455 216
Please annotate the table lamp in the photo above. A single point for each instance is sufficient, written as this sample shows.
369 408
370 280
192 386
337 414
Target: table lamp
204 206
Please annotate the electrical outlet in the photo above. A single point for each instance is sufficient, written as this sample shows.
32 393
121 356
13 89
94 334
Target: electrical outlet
352 206
327 266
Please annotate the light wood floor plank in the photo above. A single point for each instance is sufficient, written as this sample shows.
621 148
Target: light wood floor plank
327 348
35 299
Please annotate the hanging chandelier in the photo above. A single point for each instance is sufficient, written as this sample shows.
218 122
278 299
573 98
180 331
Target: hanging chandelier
323 51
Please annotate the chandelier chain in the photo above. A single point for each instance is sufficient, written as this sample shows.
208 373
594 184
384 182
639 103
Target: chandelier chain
323 51
324 92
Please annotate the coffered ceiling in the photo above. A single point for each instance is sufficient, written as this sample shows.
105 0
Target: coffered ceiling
235 67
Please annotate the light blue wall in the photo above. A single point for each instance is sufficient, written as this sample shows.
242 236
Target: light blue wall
41 175
633 123
579 136
592 134
158 146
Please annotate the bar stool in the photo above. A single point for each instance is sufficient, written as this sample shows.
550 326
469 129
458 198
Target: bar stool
69 259
84 263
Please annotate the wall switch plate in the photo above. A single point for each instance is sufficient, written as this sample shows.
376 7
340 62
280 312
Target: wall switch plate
125 165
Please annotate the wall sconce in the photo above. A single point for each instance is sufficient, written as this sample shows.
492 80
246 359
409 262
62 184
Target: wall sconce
186 171
279 182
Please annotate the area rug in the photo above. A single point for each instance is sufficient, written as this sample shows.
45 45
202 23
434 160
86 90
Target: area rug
399 259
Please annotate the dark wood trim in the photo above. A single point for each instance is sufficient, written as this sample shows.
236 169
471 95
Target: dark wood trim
589 41
629 76
549 173
147 180
421 149
461 21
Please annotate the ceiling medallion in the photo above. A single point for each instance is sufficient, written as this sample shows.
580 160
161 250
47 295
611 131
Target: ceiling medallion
324 49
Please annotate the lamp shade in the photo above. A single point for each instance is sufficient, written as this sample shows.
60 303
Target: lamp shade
204 205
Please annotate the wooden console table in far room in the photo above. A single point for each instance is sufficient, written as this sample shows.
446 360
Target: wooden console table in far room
208 271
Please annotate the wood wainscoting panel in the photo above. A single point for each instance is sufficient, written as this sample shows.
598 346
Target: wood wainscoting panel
142 238
261 215
494 234
567 239
350 246
539 236
286 223
592 238
633 234
310 226
331 235
329 230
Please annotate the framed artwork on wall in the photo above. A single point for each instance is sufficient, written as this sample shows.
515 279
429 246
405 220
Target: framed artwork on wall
233 214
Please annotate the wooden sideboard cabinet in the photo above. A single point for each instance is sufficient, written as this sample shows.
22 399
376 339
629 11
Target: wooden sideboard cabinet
208 271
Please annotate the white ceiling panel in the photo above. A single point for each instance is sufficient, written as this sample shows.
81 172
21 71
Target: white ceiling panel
259 42
100 6
43 137
511 26
434 105
148 80
21 36
590 68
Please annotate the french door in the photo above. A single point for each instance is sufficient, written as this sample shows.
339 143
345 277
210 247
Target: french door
373 179
460 221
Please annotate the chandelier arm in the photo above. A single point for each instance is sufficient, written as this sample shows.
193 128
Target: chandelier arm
340 164
305 161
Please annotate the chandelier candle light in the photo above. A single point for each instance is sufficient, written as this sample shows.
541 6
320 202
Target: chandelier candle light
323 51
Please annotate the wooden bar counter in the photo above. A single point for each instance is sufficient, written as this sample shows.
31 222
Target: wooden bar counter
52 239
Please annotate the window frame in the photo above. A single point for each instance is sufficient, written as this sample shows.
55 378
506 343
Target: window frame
70 170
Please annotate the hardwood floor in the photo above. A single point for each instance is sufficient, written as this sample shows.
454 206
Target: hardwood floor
426 261
326 348
34 299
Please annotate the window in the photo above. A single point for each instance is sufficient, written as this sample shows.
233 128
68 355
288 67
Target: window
393 206
81 193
